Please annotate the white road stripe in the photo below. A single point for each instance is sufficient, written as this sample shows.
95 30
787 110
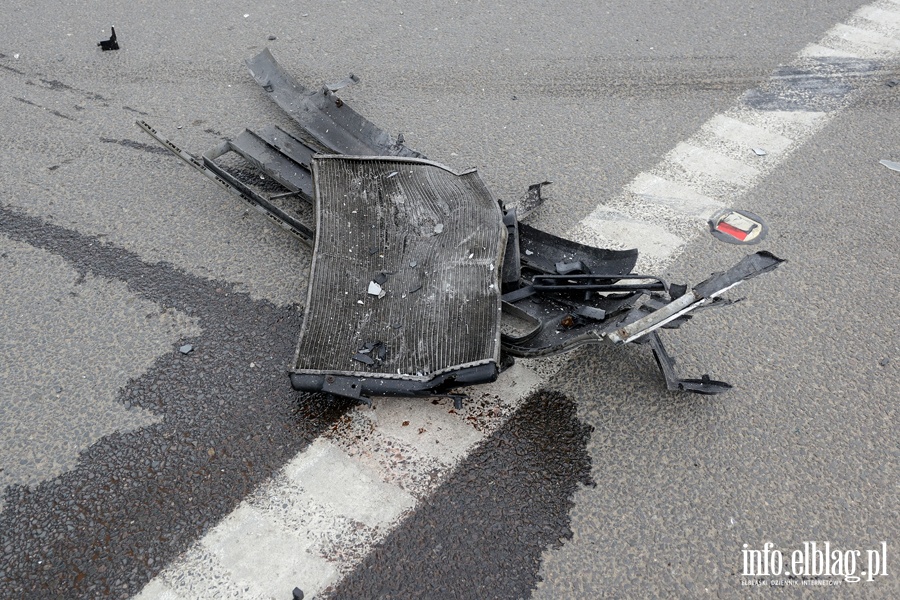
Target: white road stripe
303 529
746 135
880 16
335 500
658 190
865 43
706 161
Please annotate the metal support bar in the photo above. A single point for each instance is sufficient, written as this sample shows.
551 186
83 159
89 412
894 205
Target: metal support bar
208 168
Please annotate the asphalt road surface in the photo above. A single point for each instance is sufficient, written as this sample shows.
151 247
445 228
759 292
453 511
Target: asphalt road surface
129 467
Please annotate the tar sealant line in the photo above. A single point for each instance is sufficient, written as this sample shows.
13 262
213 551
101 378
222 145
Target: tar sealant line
330 505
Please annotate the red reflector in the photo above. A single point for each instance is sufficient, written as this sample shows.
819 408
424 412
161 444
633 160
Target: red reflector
732 231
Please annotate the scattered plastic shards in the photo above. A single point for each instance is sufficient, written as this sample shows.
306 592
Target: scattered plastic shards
442 322
893 166
110 44
186 349
363 358
532 200
666 363
345 82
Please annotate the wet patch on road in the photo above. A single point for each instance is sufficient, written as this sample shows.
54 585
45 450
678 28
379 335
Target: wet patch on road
482 533
137 499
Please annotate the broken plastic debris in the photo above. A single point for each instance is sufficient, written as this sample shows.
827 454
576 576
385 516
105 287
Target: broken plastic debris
760 151
592 316
893 166
374 288
186 349
345 82
110 44
391 174
364 358
272 38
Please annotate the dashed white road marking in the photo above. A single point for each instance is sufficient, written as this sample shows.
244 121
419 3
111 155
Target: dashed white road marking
322 505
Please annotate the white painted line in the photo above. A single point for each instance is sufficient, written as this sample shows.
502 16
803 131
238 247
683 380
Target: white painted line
655 244
247 544
880 16
870 43
331 479
820 51
709 162
747 135
658 190
320 516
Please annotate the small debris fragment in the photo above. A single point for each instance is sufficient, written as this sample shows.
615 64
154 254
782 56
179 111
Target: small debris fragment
110 44
405 424
760 151
893 166
439 228
413 263
528 253
892 82
364 358
380 278
272 38
211 452
374 289
298 593
186 349
391 174
884 361
246 15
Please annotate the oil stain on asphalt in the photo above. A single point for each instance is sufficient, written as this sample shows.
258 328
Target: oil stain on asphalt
482 533
137 499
